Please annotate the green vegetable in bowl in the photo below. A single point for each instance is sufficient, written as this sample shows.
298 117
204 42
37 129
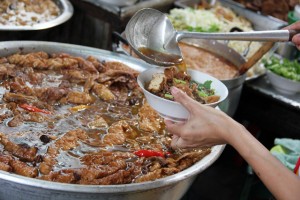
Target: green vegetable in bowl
204 89
283 67
161 84
169 96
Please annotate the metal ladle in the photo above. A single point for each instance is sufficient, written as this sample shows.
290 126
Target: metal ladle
151 29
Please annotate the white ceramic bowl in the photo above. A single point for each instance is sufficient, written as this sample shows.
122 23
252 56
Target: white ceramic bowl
173 110
283 85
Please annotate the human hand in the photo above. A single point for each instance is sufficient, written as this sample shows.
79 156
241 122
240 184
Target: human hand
205 127
296 38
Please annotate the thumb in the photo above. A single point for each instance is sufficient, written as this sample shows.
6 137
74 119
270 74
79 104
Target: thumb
296 40
183 99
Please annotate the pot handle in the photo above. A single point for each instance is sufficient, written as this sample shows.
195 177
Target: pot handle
117 37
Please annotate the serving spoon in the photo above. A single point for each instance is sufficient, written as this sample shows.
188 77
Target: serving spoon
153 38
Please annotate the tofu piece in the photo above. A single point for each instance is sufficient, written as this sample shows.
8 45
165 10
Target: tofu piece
157 82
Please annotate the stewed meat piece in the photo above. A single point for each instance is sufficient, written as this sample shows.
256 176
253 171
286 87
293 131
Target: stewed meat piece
7 70
18 98
63 176
35 60
100 66
51 94
89 83
79 98
19 86
63 62
105 168
103 92
9 164
118 73
22 151
149 119
4 163
23 169
118 132
86 65
76 76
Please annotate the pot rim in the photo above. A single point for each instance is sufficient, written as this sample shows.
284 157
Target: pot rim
198 167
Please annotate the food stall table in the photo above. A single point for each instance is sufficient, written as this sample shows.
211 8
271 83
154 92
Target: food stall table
274 112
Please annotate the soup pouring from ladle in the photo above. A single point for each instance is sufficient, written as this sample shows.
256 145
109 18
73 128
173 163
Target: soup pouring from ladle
153 38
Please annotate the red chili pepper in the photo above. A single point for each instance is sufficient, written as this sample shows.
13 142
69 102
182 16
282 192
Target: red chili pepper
150 153
33 109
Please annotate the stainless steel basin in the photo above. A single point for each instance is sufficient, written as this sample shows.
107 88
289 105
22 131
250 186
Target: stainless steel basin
16 187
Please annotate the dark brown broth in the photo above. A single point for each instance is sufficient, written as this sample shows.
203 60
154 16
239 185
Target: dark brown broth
63 121
171 58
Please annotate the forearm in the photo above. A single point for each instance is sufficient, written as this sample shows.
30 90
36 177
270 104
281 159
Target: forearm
281 182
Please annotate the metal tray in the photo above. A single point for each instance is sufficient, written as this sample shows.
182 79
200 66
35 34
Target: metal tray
125 12
119 3
66 9
260 22
16 187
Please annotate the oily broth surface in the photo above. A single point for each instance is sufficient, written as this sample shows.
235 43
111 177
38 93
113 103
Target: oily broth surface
62 121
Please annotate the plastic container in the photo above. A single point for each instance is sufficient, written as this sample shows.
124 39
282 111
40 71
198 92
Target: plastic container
294 16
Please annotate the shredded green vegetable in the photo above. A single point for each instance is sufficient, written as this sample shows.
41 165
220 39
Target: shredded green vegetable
195 20
169 96
179 81
283 67
202 94
212 28
204 89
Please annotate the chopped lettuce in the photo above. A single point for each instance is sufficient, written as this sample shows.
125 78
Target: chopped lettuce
204 89
206 85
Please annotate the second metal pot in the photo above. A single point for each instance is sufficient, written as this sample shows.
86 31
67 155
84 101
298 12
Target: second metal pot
234 85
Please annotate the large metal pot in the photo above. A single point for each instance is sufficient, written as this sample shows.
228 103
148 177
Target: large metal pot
15 187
